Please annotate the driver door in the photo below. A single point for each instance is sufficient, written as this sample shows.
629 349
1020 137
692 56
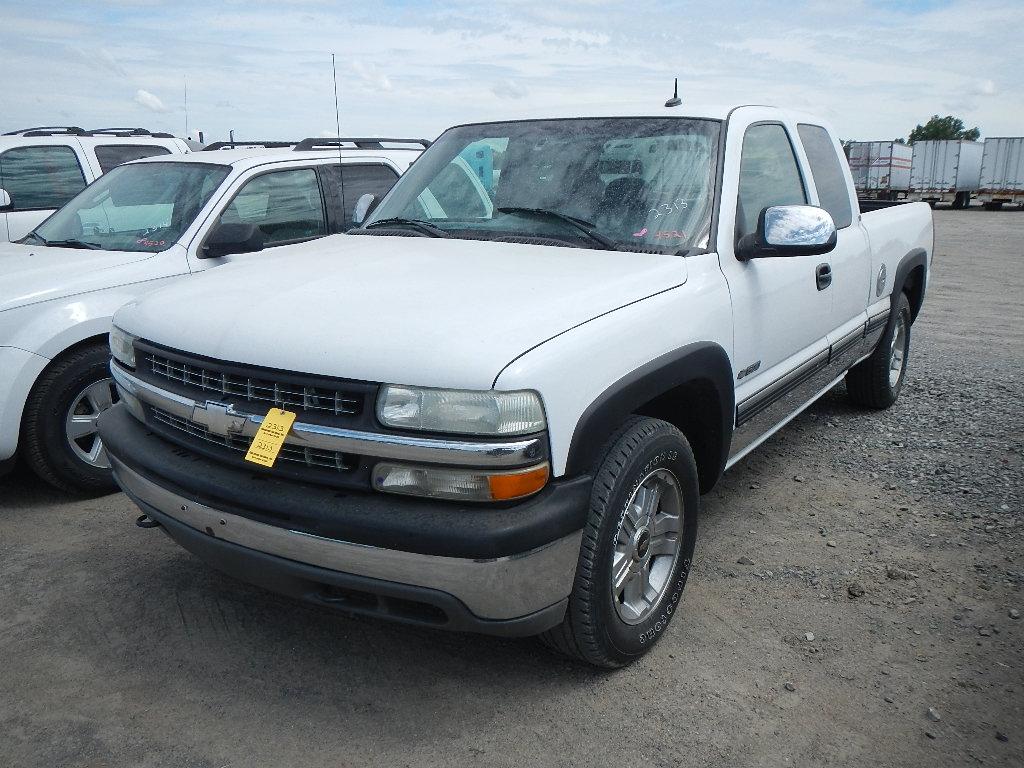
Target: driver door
780 317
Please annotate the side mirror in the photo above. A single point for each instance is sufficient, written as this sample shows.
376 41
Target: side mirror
5 200
789 230
233 237
364 207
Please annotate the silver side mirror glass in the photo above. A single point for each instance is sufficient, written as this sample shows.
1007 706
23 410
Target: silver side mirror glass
5 199
790 230
364 207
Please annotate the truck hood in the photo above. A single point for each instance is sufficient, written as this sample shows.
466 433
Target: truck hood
34 273
429 312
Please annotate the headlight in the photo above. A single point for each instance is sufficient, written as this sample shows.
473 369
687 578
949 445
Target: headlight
122 347
468 412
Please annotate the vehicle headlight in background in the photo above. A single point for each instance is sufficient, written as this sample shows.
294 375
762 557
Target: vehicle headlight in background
122 347
459 484
466 412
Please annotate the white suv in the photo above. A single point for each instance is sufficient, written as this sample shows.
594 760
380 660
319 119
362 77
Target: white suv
43 168
141 225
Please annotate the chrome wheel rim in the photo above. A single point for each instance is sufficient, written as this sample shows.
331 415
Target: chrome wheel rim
647 545
897 351
81 427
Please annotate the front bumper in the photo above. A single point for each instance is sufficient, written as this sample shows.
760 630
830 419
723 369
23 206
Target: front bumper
498 571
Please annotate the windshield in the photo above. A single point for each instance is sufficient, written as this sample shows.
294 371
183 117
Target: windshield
640 183
143 207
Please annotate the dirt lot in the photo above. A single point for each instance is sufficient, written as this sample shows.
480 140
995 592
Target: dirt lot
118 648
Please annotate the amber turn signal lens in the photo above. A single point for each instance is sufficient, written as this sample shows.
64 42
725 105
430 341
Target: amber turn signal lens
515 485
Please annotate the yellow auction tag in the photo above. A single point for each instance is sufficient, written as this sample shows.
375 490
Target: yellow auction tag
270 437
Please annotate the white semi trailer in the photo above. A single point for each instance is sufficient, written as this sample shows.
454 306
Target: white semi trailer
946 171
881 169
1002 172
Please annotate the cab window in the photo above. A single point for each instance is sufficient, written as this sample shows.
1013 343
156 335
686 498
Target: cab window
833 194
285 206
769 175
40 178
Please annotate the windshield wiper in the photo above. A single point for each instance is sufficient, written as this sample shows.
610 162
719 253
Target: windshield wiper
397 221
71 242
586 227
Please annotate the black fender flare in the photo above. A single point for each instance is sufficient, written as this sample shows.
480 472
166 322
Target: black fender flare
918 257
703 362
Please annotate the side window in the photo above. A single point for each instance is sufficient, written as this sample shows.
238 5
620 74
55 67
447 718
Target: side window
358 180
769 175
285 206
112 155
40 177
827 173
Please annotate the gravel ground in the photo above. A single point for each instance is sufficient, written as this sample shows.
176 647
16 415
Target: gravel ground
855 601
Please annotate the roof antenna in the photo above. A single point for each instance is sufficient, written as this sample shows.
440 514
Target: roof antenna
337 114
675 101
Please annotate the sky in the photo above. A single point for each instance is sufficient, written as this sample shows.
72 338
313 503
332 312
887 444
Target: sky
874 68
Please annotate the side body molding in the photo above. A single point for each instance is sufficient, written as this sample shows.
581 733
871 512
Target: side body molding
702 365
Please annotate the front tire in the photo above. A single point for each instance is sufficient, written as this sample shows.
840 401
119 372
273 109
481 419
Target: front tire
877 381
60 439
637 547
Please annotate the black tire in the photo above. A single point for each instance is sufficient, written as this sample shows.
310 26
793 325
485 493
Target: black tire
869 383
45 444
592 629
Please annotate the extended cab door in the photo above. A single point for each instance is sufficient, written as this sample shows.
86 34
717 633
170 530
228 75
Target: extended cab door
39 178
850 262
781 319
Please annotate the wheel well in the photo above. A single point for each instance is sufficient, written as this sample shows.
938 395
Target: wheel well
87 342
913 286
695 409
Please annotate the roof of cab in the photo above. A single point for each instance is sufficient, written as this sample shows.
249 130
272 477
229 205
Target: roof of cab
249 157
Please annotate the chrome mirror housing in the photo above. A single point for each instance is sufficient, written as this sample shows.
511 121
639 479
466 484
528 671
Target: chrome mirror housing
364 207
790 230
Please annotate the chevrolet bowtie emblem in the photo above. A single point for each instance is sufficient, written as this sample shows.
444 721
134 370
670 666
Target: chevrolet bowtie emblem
219 418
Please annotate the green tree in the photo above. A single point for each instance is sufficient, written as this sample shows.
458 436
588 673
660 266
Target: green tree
947 127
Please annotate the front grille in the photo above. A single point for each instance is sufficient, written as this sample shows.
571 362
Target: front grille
309 457
265 389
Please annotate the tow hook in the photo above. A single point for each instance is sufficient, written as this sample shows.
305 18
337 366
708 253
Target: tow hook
144 521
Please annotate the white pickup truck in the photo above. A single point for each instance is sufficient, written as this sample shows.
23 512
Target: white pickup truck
507 406
42 168
140 226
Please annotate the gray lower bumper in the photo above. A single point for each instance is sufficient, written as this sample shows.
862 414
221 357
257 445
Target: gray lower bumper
500 589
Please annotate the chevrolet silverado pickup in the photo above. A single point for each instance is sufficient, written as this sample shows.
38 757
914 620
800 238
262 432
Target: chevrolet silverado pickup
507 403
142 225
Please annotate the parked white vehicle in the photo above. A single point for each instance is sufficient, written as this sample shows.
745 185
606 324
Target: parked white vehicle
946 171
42 168
881 169
1002 172
506 409
140 226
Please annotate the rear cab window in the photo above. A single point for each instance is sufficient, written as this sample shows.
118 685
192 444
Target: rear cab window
41 177
112 155
833 194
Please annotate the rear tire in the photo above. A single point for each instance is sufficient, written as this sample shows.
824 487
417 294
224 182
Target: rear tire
59 438
877 381
637 547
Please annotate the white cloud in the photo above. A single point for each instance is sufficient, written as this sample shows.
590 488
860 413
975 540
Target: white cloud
986 88
371 76
149 101
508 89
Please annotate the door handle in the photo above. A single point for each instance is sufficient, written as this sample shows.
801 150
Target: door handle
823 276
